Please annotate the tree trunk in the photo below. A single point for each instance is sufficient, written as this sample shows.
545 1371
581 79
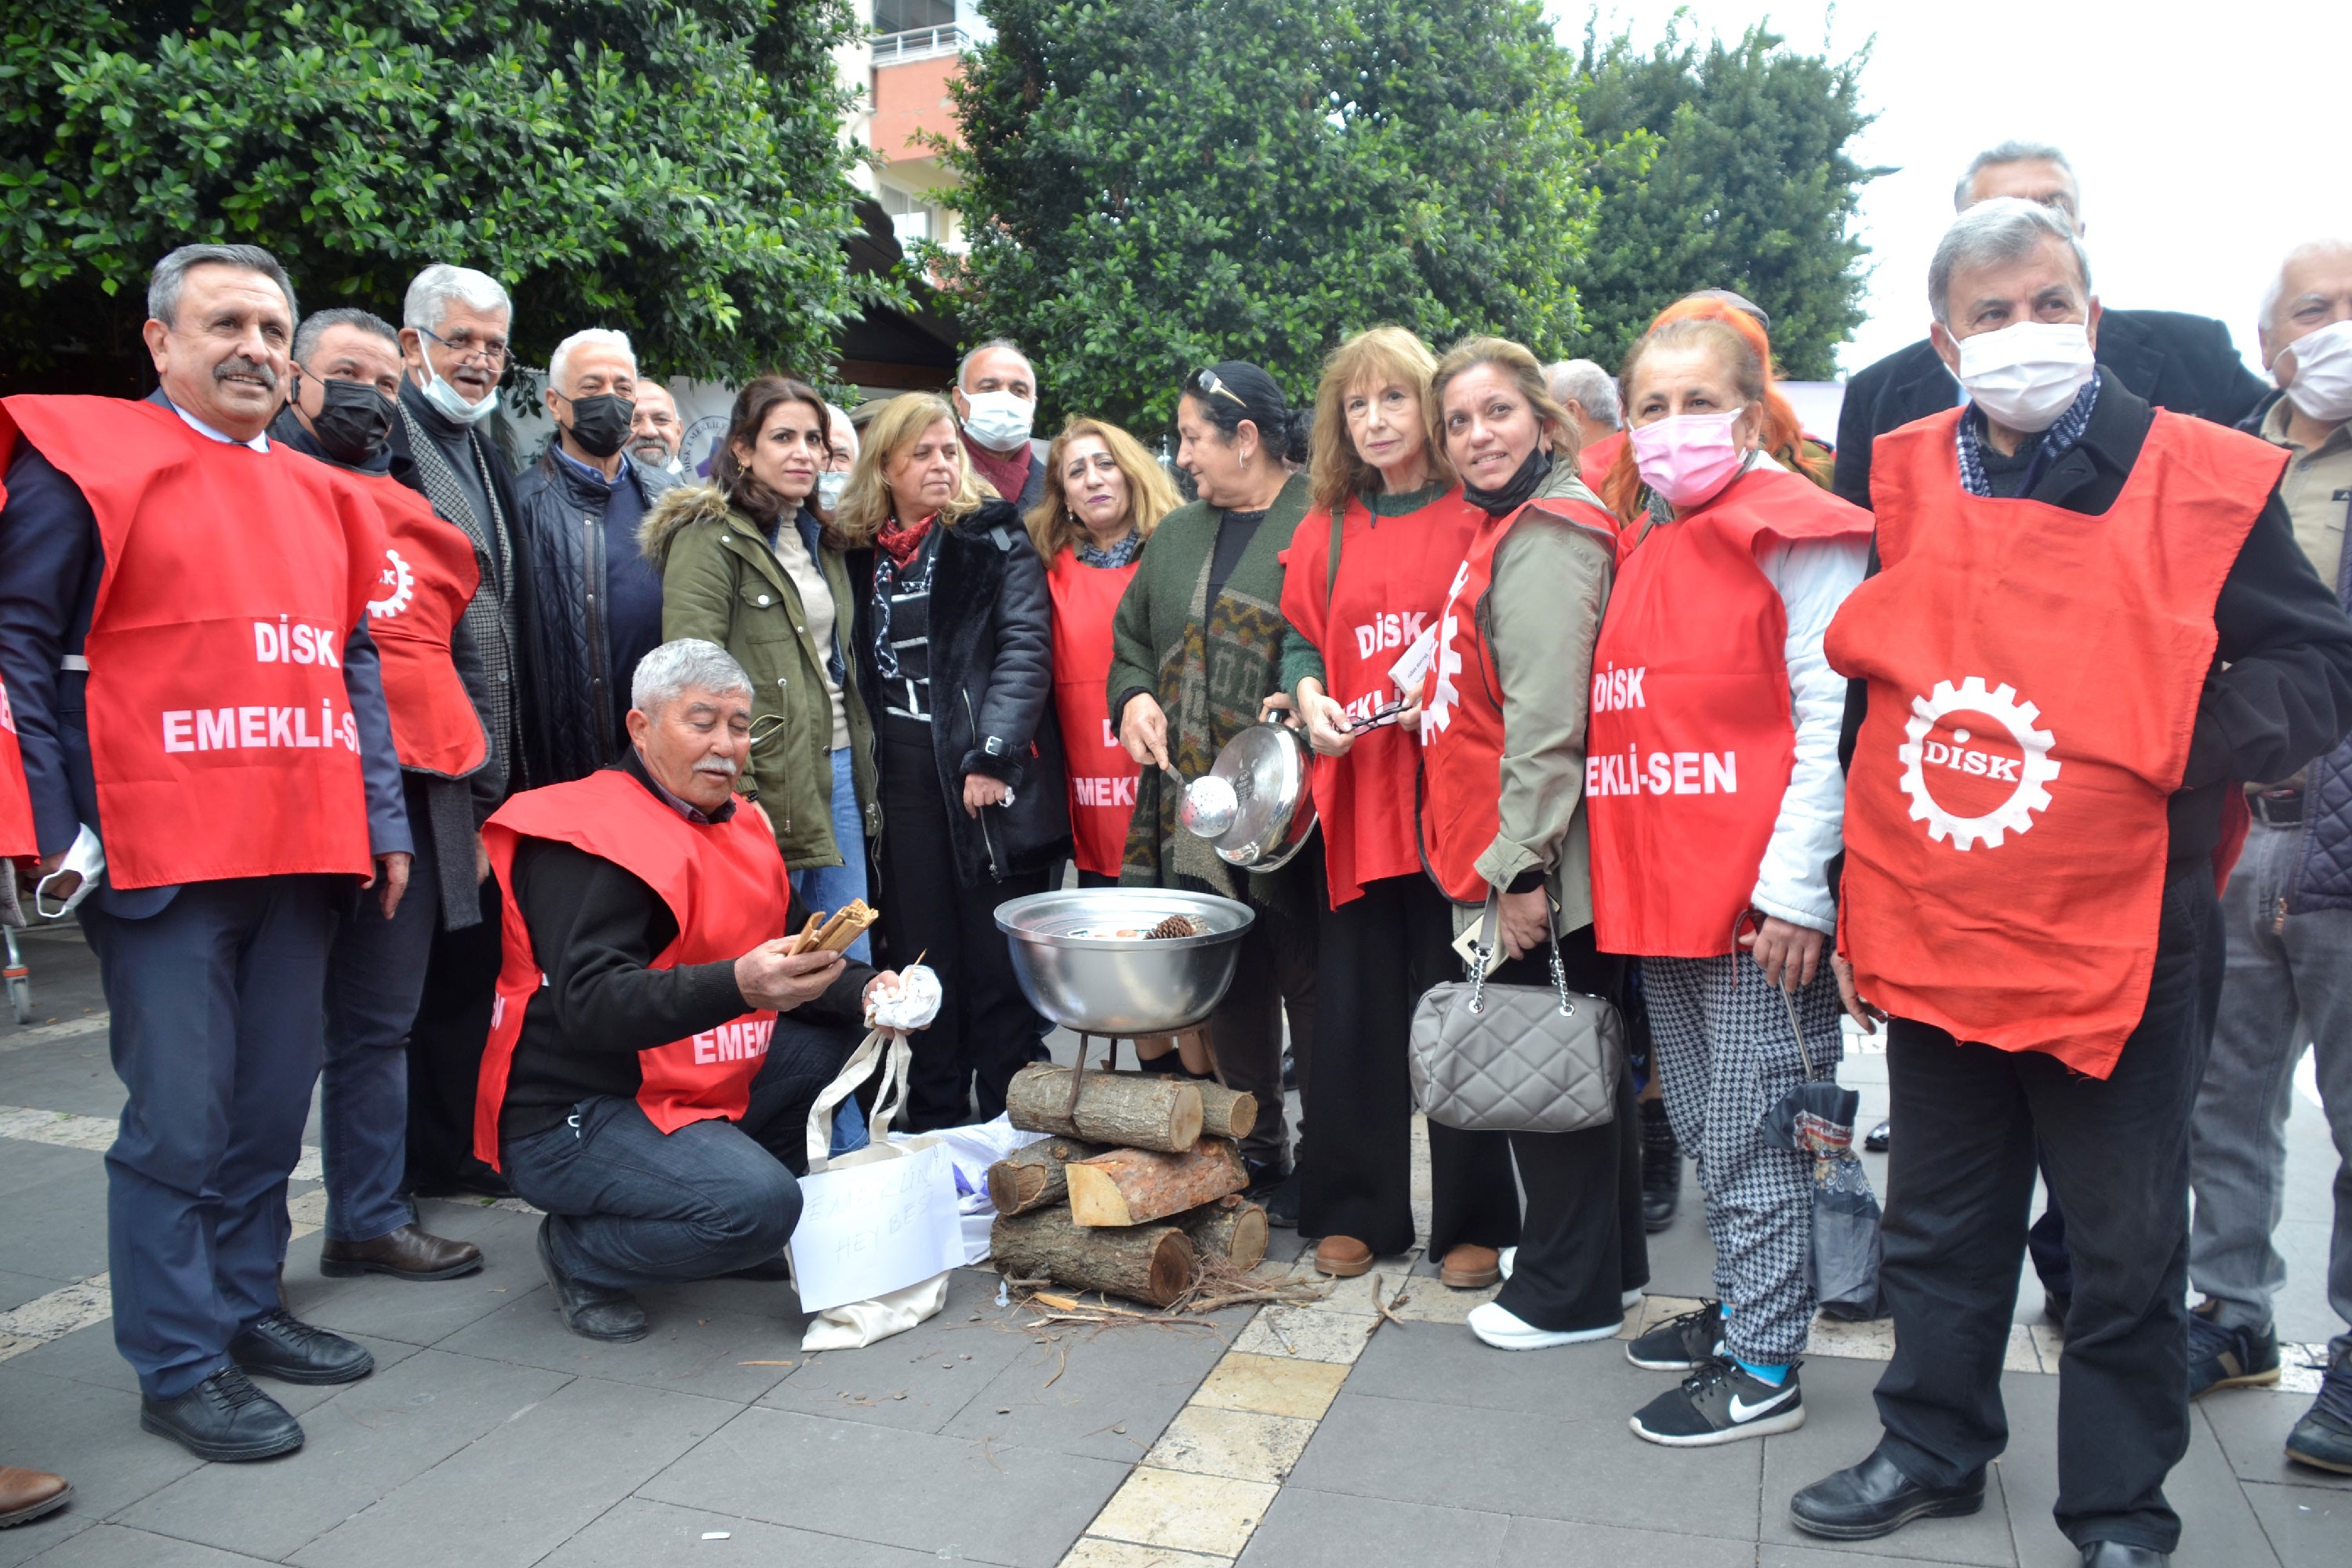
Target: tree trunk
1231 1228
1226 1112
1124 1110
1031 1177
1135 1186
1150 1263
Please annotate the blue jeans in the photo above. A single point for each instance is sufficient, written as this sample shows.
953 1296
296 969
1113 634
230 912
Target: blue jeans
629 1206
828 888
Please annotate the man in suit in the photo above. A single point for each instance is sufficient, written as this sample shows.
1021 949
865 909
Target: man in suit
2186 363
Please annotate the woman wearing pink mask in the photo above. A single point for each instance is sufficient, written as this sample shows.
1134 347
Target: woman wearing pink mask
1714 794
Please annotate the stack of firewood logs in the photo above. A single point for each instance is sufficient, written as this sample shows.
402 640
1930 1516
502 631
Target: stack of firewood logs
1136 1188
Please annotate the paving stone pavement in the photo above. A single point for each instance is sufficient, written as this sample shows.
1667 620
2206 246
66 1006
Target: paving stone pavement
1287 1438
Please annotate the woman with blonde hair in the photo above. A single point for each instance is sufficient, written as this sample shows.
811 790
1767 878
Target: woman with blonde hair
954 639
1367 572
1103 496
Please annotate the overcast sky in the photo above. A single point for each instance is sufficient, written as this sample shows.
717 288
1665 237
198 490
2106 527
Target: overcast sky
2209 138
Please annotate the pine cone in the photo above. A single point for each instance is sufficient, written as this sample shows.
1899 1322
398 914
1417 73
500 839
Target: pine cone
1174 926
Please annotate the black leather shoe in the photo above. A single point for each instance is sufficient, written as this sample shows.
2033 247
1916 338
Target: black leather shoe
1874 1498
281 1345
1876 1139
407 1253
1276 1188
592 1313
225 1419
2115 1554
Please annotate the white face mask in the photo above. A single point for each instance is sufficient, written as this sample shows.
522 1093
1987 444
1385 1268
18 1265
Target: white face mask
2025 375
452 402
829 486
998 421
2322 387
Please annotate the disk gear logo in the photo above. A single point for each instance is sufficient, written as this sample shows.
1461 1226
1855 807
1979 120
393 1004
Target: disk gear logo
2028 772
401 580
1437 712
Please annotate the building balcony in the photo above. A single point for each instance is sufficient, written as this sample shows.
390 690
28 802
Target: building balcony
920 44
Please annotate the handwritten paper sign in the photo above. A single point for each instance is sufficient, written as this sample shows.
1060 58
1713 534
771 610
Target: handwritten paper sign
870 1228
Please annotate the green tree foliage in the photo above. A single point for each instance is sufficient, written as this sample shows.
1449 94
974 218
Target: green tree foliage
671 167
1723 168
1151 186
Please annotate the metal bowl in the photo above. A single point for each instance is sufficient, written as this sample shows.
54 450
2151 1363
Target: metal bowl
1083 978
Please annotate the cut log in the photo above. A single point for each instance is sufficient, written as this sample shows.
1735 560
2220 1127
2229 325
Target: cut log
1030 1178
1150 1263
1226 1112
1124 1110
1231 1228
1136 1187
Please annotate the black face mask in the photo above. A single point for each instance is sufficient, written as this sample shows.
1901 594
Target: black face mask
353 421
1532 471
601 424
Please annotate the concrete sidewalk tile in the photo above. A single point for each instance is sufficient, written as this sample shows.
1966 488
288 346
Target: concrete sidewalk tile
1578 1463
1437 1363
1239 1444
2309 1527
1105 1393
15 1289
1871 1340
114 1546
1093 1552
686 1351
2219 1527
1207 1514
1552 1543
1303 1333
639 1534
56 1216
1841 1428
412 1313
2021 1355
1271 1385
366 1441
1772 1555
2251 1425
1306 1528
927 1493
1431 1303
542 1475
920 1380
89 1435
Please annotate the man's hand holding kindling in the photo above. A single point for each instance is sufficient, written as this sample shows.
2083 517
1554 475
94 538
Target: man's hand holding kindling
771 976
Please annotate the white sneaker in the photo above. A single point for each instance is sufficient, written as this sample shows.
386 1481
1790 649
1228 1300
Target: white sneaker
1506 1258
1632 1299
1503 1330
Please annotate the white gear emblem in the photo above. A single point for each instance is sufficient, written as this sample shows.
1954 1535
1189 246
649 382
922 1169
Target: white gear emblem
2014 815
403 583
1437 712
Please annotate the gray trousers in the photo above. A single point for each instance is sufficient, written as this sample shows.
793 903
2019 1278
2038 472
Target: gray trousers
2282 988
1726 1056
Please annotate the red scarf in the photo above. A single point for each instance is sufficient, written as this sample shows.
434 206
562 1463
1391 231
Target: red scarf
1008 471
901 540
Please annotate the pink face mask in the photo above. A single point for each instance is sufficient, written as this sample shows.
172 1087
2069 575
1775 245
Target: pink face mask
1689 458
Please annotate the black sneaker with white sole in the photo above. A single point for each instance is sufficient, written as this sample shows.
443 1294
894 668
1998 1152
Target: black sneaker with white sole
1722 1402
1680 1345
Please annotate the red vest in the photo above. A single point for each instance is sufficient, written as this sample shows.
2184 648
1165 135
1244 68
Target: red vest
428 578
221 733
1691 741
1101 774
1461 720
1393 576
1594 462
2034 676
16 841
724 884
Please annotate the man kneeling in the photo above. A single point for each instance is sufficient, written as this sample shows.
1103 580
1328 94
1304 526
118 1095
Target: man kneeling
655 1051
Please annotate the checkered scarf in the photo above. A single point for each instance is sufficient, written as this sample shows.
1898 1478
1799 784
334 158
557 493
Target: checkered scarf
2056 441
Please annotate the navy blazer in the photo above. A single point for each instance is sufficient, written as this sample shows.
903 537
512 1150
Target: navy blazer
2186 363
50 560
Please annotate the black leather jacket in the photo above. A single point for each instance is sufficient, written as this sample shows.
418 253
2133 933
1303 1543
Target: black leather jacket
568 725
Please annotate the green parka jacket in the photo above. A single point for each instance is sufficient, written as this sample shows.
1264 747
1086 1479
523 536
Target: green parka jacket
721 582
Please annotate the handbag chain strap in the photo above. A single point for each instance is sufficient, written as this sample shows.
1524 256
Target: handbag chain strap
1484 949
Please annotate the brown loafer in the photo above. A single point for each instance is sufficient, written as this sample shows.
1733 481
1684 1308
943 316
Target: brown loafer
1469 1268
1342 1256
407 1253
26 1495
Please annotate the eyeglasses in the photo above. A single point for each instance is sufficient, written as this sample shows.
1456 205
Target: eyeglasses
490 351
1375 718
1206 380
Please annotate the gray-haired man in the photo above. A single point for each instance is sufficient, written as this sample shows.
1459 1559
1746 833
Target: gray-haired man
660 1050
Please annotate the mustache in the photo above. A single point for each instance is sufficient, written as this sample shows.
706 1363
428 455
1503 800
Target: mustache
235 369
725 767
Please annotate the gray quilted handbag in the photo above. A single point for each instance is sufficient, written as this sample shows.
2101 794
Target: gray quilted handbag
1516 1058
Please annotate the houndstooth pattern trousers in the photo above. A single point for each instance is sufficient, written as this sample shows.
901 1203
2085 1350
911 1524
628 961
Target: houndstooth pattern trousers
1726 1056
